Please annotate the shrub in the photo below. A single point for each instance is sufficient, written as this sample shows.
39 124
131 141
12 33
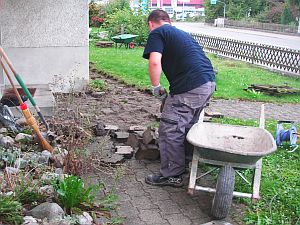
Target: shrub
133 22
71 192
10 211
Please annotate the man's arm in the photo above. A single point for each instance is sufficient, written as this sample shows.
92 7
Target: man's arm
155 68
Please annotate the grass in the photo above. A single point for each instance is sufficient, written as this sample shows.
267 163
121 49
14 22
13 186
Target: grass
280 184
233 76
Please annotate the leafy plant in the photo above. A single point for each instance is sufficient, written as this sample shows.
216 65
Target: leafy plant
133 22
97 85
71 192
9 156
10 210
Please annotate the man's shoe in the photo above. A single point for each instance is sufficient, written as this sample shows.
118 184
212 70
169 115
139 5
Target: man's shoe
159 180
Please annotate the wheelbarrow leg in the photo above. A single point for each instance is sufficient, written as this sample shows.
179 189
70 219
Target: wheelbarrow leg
193 174
256 181
258 166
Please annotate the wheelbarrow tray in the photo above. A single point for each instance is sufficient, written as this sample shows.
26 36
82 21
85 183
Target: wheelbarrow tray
124 38
230 143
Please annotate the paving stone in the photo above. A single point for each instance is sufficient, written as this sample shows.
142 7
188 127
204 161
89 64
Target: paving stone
158 194
143 203
133 192
193 211
178 219
127 210
151 217
168 207
133 221
183 198
155 167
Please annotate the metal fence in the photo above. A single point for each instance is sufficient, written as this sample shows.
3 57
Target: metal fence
282 59
262 26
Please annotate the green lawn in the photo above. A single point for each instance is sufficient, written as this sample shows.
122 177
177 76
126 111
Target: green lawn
233 76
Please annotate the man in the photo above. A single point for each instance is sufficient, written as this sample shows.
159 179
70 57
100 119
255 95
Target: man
192 82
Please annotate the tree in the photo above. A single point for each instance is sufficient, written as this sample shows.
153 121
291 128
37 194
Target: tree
286 16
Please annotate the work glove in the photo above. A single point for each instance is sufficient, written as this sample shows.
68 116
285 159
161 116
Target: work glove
159 92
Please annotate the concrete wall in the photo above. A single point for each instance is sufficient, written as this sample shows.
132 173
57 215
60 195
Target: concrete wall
47 41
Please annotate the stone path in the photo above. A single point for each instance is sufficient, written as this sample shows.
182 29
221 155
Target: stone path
251 110
142 204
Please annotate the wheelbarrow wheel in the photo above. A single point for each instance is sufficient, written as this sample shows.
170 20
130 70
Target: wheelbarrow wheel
224 192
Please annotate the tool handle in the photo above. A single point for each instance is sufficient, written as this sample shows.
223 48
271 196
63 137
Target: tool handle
25 89
33 124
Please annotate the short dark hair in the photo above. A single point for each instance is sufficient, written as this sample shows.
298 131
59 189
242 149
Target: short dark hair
158 15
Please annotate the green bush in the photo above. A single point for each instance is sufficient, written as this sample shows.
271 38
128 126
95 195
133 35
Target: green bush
133 22
10 211
71 192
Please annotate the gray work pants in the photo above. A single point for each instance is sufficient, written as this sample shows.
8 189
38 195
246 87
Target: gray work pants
179 114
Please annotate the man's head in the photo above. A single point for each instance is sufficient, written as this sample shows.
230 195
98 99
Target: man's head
157 18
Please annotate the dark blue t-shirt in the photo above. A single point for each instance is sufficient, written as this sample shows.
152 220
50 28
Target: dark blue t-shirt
183 59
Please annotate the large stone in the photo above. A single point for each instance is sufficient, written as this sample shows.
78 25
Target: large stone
21 163
29 220
85 219
23 137
133 140
99 129
47 190
51 211
149 137
3 130
6 141
126 151
149 152
113 159
121 136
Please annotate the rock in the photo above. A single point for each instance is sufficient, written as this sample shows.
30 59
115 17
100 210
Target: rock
121 136
47 190
149 137
99 129
126 151
149 152
29 220
85 219
11 170
51 211
133 140
21 122
59 171
21 163
6 141
3 130
98 94
44 157
113 159
137 128
59 161
111 128
10 193
23 137
48 177
107 111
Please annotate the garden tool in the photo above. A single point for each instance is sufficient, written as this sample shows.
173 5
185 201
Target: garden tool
25 89
163 96
27 114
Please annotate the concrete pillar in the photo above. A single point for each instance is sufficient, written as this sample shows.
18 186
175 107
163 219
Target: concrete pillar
47 41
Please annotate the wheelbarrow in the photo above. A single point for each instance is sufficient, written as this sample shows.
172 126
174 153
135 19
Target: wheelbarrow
125 39
228 148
